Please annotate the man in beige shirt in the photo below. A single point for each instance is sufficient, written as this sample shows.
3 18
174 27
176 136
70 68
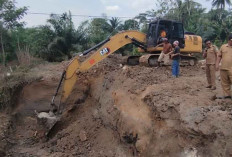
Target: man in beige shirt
225 57
210 54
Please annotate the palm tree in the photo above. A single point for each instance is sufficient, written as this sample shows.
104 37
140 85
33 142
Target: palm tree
64 30
114 23
220 4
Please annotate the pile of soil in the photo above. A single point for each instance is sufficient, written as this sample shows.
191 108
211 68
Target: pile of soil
119 110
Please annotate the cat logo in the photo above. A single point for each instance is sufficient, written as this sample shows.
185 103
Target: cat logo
105 51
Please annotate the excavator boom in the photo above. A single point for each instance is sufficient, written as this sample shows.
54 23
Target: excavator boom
108 47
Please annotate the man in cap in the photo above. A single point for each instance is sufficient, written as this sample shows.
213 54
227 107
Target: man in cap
175 56
210 54
165 54
225 57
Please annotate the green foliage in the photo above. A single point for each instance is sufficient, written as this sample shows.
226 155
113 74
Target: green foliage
9 14
214 25
59 40
99 29
9 19
114 25
130 24
220 3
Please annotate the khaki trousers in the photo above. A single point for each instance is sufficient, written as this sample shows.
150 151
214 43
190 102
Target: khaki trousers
211 74
226 81
164 57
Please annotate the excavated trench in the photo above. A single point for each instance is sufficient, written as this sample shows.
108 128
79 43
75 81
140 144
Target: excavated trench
120 110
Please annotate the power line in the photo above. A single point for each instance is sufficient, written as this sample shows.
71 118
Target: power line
76 15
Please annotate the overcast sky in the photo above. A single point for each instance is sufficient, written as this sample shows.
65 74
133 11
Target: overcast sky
119 8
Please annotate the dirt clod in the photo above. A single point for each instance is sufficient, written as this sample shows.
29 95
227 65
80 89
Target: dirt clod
83 136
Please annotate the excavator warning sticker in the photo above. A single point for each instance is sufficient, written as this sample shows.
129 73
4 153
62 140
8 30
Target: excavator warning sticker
92 61
105 51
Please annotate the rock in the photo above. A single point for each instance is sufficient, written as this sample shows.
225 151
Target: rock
83 136
125 67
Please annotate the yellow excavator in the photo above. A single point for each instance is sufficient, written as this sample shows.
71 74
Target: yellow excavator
189 44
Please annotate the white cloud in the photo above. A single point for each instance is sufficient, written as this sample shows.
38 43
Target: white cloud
143 5
112 8
136 5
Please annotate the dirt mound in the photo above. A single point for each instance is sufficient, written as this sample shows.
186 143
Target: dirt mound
118 110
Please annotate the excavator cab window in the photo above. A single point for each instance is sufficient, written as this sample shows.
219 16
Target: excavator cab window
151 35
152 29
157 30
178 33
165 28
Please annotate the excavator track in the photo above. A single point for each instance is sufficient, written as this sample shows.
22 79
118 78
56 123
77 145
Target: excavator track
188 60
149 60
132 60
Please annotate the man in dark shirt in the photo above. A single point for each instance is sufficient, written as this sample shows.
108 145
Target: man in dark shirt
175 56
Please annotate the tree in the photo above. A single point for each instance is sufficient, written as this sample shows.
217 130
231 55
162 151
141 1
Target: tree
99 29
114 23
9 19
130 24
220 4
63 27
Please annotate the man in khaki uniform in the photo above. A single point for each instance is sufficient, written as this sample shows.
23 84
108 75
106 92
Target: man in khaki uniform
165 54
210 54
225 57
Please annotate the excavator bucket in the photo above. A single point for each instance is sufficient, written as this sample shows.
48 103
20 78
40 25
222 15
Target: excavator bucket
46 121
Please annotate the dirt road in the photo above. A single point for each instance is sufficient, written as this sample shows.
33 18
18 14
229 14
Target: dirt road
120 110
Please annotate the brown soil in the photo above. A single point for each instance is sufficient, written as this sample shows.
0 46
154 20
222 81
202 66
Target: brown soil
120 110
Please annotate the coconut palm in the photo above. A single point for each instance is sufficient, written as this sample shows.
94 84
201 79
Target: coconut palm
114 23
220 4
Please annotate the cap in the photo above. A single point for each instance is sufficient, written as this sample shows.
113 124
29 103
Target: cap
176 42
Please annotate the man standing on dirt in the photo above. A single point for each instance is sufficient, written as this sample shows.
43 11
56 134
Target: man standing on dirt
210 54
225 57
165 54
175 56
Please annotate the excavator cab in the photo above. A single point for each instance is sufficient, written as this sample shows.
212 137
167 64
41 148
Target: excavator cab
159 29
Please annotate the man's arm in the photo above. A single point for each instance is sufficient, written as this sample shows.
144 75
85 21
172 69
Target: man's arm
219 58
216 51
205 53
170 49
161 44
176 54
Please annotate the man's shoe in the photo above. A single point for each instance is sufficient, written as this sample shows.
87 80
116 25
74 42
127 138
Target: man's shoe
227 97
213 88
223 97
209 86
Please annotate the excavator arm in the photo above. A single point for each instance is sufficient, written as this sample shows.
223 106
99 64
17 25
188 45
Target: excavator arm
107 47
